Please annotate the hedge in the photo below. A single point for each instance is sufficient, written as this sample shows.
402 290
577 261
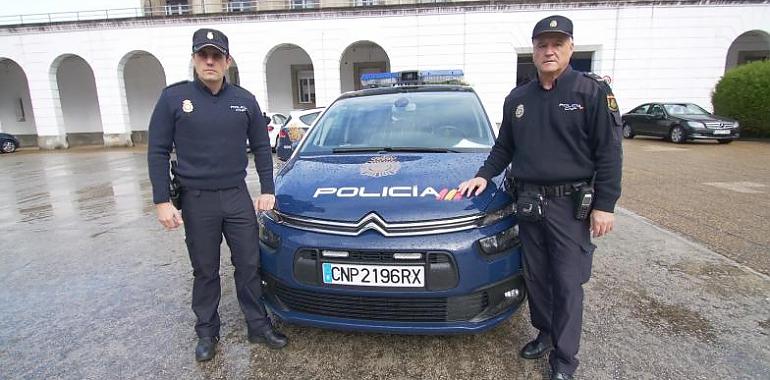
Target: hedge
743 94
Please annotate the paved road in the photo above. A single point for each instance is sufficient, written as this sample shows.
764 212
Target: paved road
92 288
715 194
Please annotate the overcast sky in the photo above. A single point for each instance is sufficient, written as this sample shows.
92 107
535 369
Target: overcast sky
25 7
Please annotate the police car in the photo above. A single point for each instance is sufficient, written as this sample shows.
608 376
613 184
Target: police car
369 232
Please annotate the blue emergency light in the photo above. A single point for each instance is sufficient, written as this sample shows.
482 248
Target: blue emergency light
413 78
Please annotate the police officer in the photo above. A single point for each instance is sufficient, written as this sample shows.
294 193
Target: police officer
208 122
561 134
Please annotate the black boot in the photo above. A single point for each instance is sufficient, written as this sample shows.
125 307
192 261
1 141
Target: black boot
269 337
206 348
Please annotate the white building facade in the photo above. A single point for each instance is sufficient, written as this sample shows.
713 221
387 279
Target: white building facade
96 82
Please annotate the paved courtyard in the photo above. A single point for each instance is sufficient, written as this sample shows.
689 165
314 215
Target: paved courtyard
92 287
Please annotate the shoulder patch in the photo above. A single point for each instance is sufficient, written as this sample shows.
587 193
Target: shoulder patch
178 83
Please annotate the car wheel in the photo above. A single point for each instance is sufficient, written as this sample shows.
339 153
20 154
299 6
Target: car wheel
724 141
676 135
8 146
627 131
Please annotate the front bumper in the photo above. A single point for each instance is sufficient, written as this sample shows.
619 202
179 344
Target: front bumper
713 134
465 291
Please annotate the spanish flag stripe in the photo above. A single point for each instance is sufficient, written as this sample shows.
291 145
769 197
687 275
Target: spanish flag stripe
450 195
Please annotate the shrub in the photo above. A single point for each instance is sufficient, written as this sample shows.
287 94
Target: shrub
743 94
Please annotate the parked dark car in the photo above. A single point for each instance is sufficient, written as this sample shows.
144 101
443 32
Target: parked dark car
8 143
679 122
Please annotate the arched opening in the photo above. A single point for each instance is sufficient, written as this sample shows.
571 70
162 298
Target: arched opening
362 57
144 79
751 46
75 88
290 79
16 116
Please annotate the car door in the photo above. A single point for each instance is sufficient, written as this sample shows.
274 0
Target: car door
637 118
657 123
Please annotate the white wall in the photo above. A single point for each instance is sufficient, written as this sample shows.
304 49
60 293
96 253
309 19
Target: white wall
77 92
652 52
144 80
14 87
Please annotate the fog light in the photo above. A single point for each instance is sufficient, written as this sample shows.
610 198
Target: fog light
512 294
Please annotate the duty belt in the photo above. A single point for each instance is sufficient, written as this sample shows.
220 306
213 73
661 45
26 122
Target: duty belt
550 191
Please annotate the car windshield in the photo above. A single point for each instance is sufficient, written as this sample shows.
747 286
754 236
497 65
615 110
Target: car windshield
416 121
684 109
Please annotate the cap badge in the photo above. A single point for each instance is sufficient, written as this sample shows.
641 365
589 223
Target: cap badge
210 35
519 111
187 106
381 166
553 24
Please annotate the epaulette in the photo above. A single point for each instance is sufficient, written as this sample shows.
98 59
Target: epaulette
612 104
178 83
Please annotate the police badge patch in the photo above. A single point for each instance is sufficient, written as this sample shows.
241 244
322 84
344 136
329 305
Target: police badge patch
612 104
187 106
519 111
381 166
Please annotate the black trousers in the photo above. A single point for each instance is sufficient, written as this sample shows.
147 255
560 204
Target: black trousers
558 255
208 215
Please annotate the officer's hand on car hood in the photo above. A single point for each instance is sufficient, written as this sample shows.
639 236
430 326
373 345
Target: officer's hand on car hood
264 202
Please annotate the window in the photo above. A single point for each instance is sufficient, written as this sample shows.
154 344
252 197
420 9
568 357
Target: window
20 116
304 4
177 7
240 5
366 3
641 109
279 119
656 110
305 87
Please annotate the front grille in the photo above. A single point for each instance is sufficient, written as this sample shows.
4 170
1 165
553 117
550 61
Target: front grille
402 309
372 221
718 125
376 257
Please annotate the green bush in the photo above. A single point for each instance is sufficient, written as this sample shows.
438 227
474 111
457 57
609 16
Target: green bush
744 95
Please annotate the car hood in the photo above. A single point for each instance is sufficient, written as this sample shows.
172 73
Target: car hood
398 187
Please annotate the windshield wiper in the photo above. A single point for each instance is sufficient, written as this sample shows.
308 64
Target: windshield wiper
393 149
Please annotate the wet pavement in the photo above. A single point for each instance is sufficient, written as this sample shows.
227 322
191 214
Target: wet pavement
91 286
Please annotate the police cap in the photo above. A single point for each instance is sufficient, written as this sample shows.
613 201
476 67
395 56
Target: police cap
553 24
210 37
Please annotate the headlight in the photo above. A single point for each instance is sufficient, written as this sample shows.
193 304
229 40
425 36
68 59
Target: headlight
493 217
736 124
501 242
696 124
265 235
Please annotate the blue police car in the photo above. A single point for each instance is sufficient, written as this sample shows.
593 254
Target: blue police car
369 232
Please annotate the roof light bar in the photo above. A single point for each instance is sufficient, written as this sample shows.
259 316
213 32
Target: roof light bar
413 78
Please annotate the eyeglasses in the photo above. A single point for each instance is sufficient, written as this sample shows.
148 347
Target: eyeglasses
215 55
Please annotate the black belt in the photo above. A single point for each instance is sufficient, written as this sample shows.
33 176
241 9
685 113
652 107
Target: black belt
551 191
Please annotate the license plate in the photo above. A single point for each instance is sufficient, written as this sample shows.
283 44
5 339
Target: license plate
405 276
722 132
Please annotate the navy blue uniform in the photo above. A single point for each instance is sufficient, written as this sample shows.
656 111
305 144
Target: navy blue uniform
556 137
209 132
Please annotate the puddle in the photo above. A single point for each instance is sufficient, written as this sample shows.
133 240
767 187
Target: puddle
673 319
